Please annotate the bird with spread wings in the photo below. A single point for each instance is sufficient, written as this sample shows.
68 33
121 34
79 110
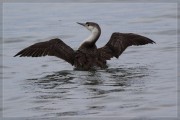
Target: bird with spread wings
88 55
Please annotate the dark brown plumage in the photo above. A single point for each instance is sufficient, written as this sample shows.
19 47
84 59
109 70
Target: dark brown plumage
54 47
88 55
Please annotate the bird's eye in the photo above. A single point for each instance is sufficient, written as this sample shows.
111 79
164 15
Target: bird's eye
87 24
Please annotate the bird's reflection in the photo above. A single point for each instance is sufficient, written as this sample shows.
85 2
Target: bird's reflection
95 82
55 79
70 86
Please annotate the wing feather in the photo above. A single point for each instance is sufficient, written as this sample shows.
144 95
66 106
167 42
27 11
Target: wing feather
119 42
53 47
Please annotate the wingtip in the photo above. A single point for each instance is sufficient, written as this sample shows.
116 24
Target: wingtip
15 55
153 42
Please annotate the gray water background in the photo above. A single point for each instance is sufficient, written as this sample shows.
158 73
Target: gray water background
142 82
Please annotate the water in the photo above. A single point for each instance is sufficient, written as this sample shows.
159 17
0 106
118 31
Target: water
141 83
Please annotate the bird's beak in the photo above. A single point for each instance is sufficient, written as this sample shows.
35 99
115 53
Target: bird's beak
83 24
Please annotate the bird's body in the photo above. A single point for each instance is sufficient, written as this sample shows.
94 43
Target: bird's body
88 55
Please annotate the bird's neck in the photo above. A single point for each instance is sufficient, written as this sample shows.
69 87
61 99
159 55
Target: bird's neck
94 36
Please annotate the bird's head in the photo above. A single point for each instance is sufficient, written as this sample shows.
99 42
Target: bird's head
91 26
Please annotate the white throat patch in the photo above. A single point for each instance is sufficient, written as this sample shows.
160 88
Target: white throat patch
92 37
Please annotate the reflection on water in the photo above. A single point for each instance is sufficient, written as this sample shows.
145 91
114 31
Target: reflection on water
53 81
109 77
91 85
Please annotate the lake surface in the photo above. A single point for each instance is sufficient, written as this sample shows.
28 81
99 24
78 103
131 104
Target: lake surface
141 83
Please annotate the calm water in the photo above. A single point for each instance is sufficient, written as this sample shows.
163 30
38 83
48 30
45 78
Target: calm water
141 83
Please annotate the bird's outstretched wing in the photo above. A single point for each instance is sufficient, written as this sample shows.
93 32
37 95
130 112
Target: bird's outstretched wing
119 42
53 47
